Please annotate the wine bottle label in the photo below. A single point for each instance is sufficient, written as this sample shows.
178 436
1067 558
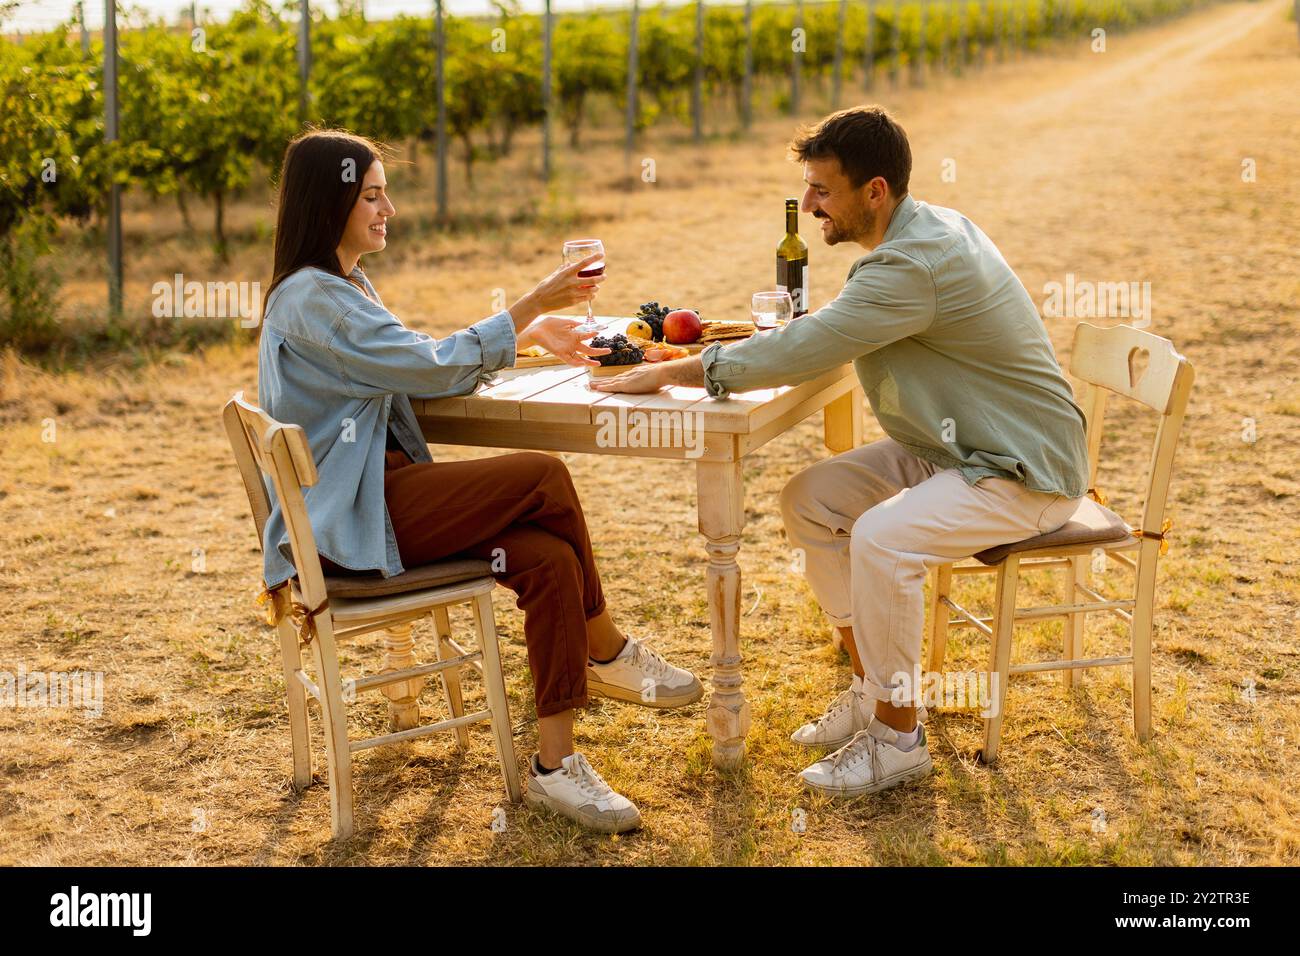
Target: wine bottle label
792 277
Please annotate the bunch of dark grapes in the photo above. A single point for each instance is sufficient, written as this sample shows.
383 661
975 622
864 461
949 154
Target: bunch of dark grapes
652 314
622 351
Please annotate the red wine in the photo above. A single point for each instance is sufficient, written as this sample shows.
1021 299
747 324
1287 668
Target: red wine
596 270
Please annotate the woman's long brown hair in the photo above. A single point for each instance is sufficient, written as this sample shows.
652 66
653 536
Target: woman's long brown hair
320 181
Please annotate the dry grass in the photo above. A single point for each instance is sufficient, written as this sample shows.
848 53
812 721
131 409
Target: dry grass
1114 167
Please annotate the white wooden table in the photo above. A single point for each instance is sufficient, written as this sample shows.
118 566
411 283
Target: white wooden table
552 409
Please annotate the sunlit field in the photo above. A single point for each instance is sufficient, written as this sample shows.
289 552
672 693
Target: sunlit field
127 545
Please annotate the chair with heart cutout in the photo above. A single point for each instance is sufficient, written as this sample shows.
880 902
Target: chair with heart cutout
1136 365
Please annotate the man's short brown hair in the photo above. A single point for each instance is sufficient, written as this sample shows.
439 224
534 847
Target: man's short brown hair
866 140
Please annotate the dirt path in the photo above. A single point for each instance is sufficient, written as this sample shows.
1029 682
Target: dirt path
125 546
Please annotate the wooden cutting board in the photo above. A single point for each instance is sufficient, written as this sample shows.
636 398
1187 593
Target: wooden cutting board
616 324
528 361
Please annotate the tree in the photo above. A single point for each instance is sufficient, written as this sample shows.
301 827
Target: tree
373 79
474 88
208 109
53 162
666 59
517 55
590 57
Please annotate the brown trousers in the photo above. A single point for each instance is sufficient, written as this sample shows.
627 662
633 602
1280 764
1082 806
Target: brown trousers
521 512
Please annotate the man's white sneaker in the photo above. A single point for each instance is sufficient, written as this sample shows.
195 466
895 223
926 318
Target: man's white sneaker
869 763
848 714
640 676
576 791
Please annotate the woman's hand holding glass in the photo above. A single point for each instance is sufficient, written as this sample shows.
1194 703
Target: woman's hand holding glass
581 251
559 290
562 336
564 287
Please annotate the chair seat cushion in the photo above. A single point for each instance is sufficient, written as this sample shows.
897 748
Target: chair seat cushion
414 579
1090 525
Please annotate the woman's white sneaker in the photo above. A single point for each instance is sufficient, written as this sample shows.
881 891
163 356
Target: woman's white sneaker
640 676
869 763
576 791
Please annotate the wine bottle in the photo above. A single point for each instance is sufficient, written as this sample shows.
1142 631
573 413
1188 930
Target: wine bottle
792 261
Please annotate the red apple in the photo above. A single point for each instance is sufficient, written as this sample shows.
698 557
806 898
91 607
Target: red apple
682 326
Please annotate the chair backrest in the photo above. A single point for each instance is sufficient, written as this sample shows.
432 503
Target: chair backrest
265 447
1147 369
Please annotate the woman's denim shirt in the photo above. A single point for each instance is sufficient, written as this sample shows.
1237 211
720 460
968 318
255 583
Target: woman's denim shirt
342 367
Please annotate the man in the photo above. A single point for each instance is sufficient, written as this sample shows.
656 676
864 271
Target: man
985 444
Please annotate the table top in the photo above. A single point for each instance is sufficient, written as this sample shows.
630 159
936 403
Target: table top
560 394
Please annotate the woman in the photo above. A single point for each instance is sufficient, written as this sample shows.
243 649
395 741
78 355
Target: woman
335 361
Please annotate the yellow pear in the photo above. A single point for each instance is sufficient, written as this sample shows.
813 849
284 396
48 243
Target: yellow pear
640 329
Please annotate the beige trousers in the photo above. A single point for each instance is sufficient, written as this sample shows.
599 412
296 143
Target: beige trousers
870 522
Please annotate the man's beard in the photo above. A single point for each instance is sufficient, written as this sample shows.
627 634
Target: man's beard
862 225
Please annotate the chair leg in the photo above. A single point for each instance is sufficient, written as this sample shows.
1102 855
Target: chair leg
335 719
1075 624
1140 632
451 676
942 588
495 687
1004 622
296 696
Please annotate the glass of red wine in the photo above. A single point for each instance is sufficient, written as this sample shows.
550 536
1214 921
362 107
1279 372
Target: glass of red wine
575 250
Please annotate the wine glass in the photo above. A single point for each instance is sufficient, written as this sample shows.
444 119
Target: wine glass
575 250
771 309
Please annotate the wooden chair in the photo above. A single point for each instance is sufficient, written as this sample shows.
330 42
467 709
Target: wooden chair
314 611
1147 369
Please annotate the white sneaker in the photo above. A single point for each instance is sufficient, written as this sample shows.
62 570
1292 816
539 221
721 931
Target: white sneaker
576 791
869 763
848 714
640 676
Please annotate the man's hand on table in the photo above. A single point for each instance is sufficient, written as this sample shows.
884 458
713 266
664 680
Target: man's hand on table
652 376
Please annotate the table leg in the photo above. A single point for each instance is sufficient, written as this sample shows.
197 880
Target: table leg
721 494
842 422
399 654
